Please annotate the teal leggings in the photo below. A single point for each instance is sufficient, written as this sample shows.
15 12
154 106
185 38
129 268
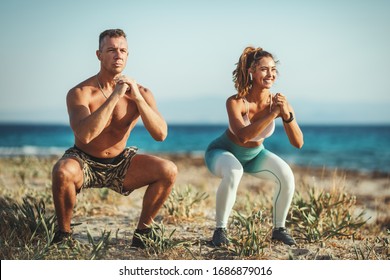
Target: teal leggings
229 161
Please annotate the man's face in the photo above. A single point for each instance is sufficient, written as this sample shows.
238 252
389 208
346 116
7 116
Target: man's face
113 54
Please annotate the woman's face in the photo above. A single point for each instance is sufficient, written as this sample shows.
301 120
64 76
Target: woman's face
264 74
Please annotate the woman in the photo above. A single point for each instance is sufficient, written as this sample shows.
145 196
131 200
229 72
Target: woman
252 113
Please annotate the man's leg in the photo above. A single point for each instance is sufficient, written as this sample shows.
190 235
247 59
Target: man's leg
67 178
158 175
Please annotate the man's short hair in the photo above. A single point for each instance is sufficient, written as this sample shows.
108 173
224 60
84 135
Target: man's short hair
112 33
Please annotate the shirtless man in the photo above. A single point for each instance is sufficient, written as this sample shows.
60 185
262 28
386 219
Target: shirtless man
103 110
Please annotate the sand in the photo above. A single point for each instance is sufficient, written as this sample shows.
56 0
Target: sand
98 211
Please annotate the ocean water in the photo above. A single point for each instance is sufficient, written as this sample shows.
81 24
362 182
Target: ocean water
362 148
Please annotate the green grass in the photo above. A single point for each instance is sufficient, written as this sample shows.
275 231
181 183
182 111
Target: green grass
159 241
323 215
182 201
247 234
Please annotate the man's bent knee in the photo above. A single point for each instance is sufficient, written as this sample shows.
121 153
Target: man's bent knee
170 171
65 172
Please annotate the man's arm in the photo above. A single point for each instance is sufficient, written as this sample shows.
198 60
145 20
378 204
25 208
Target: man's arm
86 125
152 119
146 104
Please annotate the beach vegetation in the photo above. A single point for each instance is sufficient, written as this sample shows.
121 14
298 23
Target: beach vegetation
373 248
327 221
319 215
159 241
247 234
183 201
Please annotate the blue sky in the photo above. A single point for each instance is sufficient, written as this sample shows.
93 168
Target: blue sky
334 55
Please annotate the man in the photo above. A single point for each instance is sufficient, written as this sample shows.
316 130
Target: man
103 110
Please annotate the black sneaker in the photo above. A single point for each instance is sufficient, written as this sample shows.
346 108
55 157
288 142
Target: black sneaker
137 241
220 237
61 236
281 234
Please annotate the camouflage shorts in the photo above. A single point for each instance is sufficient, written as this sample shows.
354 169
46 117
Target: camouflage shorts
98 174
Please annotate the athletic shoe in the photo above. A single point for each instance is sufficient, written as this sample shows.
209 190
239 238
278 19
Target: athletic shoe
281 234
220 237
61 236
137 241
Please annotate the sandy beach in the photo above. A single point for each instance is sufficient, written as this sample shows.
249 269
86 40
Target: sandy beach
190 210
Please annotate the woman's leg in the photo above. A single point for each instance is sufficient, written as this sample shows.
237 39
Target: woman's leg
267 165
224 165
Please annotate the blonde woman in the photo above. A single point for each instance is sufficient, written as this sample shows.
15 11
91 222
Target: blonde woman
252 113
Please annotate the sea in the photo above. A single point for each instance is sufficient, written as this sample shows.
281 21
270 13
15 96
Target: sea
363 148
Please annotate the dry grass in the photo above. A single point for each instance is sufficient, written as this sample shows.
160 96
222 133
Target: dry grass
327 219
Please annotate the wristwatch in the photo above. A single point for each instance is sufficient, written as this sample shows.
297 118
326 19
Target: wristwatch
290 119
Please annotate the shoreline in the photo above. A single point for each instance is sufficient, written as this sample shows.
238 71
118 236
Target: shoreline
317 170
198 160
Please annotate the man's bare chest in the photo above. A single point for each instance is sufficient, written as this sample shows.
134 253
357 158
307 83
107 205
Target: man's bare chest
124 113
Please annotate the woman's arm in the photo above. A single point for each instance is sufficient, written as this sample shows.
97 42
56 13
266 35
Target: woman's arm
235 108
293 131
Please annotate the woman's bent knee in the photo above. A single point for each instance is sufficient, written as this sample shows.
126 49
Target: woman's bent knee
288 176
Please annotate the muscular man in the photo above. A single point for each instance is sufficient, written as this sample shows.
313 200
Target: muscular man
103 111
